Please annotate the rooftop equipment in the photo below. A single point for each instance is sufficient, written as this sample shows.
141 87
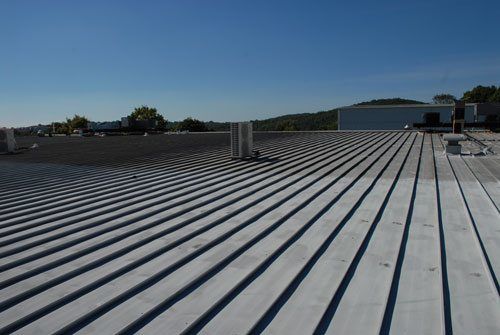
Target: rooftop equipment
458 117
242 140
7 141
452 146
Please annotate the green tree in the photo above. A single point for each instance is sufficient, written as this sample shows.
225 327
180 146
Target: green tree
148 113
76 122
444 98
324 120
61 127
480 94
191 124
286 125
495 97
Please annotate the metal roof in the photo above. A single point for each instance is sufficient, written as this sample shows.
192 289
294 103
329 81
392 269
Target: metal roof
339 232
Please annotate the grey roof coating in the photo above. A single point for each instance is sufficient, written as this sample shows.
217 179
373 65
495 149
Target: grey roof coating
338 233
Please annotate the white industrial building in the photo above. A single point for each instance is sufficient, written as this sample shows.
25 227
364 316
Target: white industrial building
396 117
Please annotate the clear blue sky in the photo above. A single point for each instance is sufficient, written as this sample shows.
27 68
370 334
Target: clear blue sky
236 60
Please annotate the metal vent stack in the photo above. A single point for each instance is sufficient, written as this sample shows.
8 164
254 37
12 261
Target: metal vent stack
453 146
241 140
458 117
7 141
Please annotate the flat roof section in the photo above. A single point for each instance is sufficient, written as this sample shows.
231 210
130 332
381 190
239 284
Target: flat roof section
328 232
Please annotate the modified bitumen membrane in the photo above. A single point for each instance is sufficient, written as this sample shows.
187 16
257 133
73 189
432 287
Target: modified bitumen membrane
326 232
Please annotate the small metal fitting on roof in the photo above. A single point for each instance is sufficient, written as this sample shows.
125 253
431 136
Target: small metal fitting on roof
452 146
454 137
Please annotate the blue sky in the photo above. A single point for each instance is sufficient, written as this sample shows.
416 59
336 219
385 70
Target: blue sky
236 60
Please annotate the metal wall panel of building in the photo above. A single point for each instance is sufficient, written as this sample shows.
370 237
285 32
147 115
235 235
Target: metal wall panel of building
393 117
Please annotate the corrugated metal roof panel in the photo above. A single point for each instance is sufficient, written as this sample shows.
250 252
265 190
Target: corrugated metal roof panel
341 232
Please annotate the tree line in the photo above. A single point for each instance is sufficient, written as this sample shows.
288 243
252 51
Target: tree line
143 112
479 94
323 120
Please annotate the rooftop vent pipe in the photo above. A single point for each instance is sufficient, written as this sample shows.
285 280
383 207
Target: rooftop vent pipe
458 117
7 141
452 146
242 140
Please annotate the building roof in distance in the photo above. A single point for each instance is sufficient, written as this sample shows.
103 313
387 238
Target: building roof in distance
403 106
326 232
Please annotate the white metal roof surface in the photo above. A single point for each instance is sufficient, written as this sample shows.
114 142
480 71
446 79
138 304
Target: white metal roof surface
339 233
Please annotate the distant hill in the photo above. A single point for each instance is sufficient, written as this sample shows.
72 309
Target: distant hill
324 120
391 101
